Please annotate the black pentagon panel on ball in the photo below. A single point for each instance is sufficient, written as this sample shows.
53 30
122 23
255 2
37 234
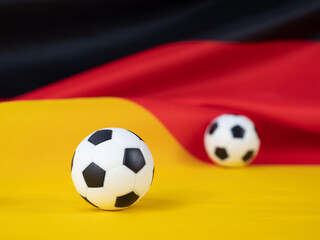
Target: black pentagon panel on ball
94 176
126 200
100 136
133 159
152 176
237 131
221 153
136 135
247 156
72 160
213 128
86 199
257 132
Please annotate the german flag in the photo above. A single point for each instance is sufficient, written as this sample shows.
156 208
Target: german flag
163 70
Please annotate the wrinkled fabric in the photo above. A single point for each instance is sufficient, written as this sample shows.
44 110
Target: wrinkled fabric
44 41
185 85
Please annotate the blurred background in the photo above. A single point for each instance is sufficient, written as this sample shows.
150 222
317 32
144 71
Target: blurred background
45 41
185 61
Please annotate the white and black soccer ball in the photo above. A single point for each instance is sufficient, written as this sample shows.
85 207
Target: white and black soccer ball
231 140
112 168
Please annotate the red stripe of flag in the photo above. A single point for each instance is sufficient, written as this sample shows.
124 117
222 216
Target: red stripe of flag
277 84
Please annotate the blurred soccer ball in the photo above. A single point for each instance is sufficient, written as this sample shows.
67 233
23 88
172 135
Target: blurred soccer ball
231 140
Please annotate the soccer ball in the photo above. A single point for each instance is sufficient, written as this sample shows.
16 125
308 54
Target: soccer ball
112 168
231 140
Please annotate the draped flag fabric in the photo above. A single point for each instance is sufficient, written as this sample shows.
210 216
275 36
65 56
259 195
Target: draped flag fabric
187 84
46 41
185 62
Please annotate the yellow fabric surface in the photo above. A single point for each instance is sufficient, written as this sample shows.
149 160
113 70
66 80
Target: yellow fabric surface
188 199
